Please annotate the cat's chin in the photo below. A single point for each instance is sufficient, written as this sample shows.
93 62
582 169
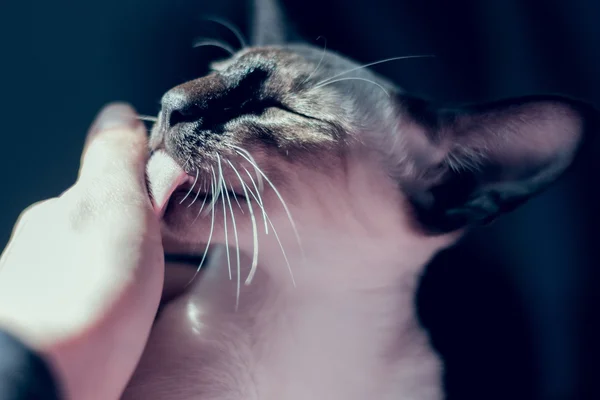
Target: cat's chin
188 223
184 262
188 206
177 278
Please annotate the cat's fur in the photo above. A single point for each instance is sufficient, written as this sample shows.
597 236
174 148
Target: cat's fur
376 182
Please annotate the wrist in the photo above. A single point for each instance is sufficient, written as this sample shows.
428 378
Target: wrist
88 366
25 373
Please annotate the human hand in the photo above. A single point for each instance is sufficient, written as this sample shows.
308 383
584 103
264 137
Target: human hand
81 278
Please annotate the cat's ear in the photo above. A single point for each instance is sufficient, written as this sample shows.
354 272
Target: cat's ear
270 24
479 162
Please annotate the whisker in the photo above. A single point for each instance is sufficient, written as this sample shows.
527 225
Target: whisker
215 43
282 251
192 188
254 164
354 79
280 246
319 64
229 26
203 202
254 265
218 192
375 63
147 118
222 195
213 185
195 198
237 247
187 161
283 203
259 200
235 198
212 226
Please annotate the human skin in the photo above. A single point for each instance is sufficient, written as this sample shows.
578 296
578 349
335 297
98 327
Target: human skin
81 277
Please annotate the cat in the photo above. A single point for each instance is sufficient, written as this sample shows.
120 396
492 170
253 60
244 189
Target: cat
322 191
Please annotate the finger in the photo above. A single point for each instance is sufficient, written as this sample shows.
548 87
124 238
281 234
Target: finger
27 215
37 208
116 146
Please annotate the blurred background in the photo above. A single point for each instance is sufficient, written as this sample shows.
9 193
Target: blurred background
512 308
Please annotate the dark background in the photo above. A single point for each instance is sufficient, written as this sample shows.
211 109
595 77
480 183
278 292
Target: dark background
512 308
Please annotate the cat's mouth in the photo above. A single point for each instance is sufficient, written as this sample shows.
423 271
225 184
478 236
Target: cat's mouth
172 190
170 187
188 195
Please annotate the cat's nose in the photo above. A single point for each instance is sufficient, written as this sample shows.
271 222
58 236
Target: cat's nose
210 102
178 107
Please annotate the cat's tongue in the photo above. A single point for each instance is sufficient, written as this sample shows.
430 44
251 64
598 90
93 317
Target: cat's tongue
164 177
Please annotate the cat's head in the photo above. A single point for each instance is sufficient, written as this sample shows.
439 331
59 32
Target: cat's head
348 153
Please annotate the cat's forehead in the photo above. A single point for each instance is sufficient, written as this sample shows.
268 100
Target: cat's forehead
299 57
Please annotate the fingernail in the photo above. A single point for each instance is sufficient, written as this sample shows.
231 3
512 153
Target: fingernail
116 115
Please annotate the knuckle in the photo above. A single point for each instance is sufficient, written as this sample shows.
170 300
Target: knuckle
96 203
40 210
37 208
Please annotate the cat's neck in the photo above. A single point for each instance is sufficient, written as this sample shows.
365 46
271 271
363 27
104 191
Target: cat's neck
346 330
352 308
372 249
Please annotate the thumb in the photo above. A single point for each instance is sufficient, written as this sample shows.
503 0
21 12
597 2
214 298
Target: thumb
116 146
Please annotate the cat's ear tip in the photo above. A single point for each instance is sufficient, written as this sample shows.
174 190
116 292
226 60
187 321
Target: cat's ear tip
580 118
577 109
